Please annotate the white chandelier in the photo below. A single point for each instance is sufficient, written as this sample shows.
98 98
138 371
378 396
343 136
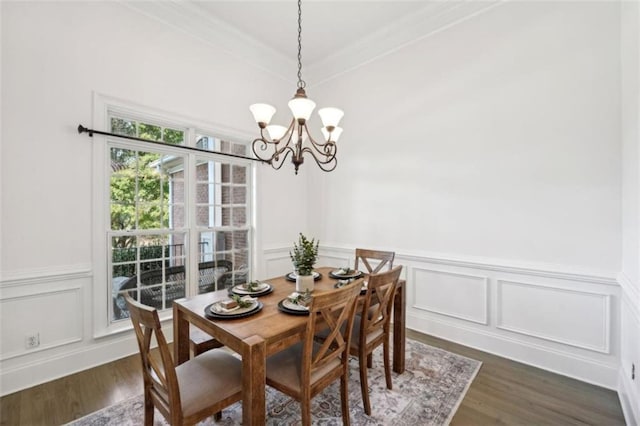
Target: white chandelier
280 141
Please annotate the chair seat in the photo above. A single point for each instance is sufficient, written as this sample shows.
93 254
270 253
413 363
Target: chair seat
371 337
284 367
193 383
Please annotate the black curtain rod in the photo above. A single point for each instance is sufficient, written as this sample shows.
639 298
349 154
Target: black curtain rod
82 129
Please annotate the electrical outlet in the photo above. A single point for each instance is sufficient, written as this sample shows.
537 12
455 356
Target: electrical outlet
32 341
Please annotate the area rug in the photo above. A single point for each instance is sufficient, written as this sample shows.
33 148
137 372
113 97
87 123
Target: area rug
427 393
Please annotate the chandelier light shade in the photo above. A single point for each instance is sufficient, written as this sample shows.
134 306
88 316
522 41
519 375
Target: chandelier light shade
277 142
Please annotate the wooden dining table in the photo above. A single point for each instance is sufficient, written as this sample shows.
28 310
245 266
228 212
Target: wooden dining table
262 334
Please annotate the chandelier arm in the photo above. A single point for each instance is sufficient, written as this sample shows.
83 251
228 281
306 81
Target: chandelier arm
263 143
326 166
277 162
318 145
315 154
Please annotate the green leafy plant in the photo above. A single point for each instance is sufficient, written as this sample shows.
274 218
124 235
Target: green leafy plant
304 255
303 299
242 303
252 286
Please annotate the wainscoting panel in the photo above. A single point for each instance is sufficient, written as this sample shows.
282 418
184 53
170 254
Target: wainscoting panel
452 294
52 316
567 323
278 266
563 321
570 317
629 379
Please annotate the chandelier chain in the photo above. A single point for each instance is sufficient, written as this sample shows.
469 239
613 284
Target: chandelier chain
301 82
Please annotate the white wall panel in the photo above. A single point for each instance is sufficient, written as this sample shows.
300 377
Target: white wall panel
570 317
277 262
456 295
565 322
629 378
497 138
56 316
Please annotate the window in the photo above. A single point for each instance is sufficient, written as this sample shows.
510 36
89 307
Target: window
177 221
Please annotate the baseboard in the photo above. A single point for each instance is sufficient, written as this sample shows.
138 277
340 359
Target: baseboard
559 362
40 371
627 393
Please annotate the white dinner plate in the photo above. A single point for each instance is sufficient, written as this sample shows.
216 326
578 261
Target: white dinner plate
294 306
217 308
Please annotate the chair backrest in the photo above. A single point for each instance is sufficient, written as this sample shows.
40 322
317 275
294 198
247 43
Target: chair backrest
382 258
158 370
331 313
381 288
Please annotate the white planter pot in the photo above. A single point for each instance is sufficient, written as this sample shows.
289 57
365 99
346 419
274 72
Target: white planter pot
304 283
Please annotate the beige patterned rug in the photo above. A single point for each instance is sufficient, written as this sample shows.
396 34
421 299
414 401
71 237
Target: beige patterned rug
427 393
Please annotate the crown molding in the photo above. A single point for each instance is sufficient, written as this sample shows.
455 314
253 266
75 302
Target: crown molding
429 20
189 18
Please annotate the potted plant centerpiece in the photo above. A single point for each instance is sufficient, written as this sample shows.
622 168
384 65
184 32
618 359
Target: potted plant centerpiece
304 256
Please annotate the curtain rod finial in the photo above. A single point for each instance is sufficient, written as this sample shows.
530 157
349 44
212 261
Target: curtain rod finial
82 129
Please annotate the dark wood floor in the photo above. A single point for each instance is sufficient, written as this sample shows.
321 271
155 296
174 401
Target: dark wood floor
503 393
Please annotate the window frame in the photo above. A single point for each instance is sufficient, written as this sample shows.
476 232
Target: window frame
101 229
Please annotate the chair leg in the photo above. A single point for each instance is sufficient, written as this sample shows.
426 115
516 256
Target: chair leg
305 408
148 409
370 360
364 385
344 399
387 364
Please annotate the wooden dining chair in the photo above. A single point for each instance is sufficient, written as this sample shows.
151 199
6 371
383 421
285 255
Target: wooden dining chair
373 262
306 368
371 327
190 392
380 258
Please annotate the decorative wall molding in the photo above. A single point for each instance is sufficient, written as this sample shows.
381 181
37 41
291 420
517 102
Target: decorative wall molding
72 336
592 356
566 363
605 326
25 375
630 292
497 265
426 21
483 281
56 298
558 356
629 397
431 19
45 275
188 18
539 270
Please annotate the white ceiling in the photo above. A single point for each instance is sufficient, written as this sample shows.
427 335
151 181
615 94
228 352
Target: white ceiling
337 35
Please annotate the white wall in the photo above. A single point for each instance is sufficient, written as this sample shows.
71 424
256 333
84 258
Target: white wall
629 387
487 155
55 55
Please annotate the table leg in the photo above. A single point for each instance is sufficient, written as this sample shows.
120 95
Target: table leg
180 336
399 327
254 381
